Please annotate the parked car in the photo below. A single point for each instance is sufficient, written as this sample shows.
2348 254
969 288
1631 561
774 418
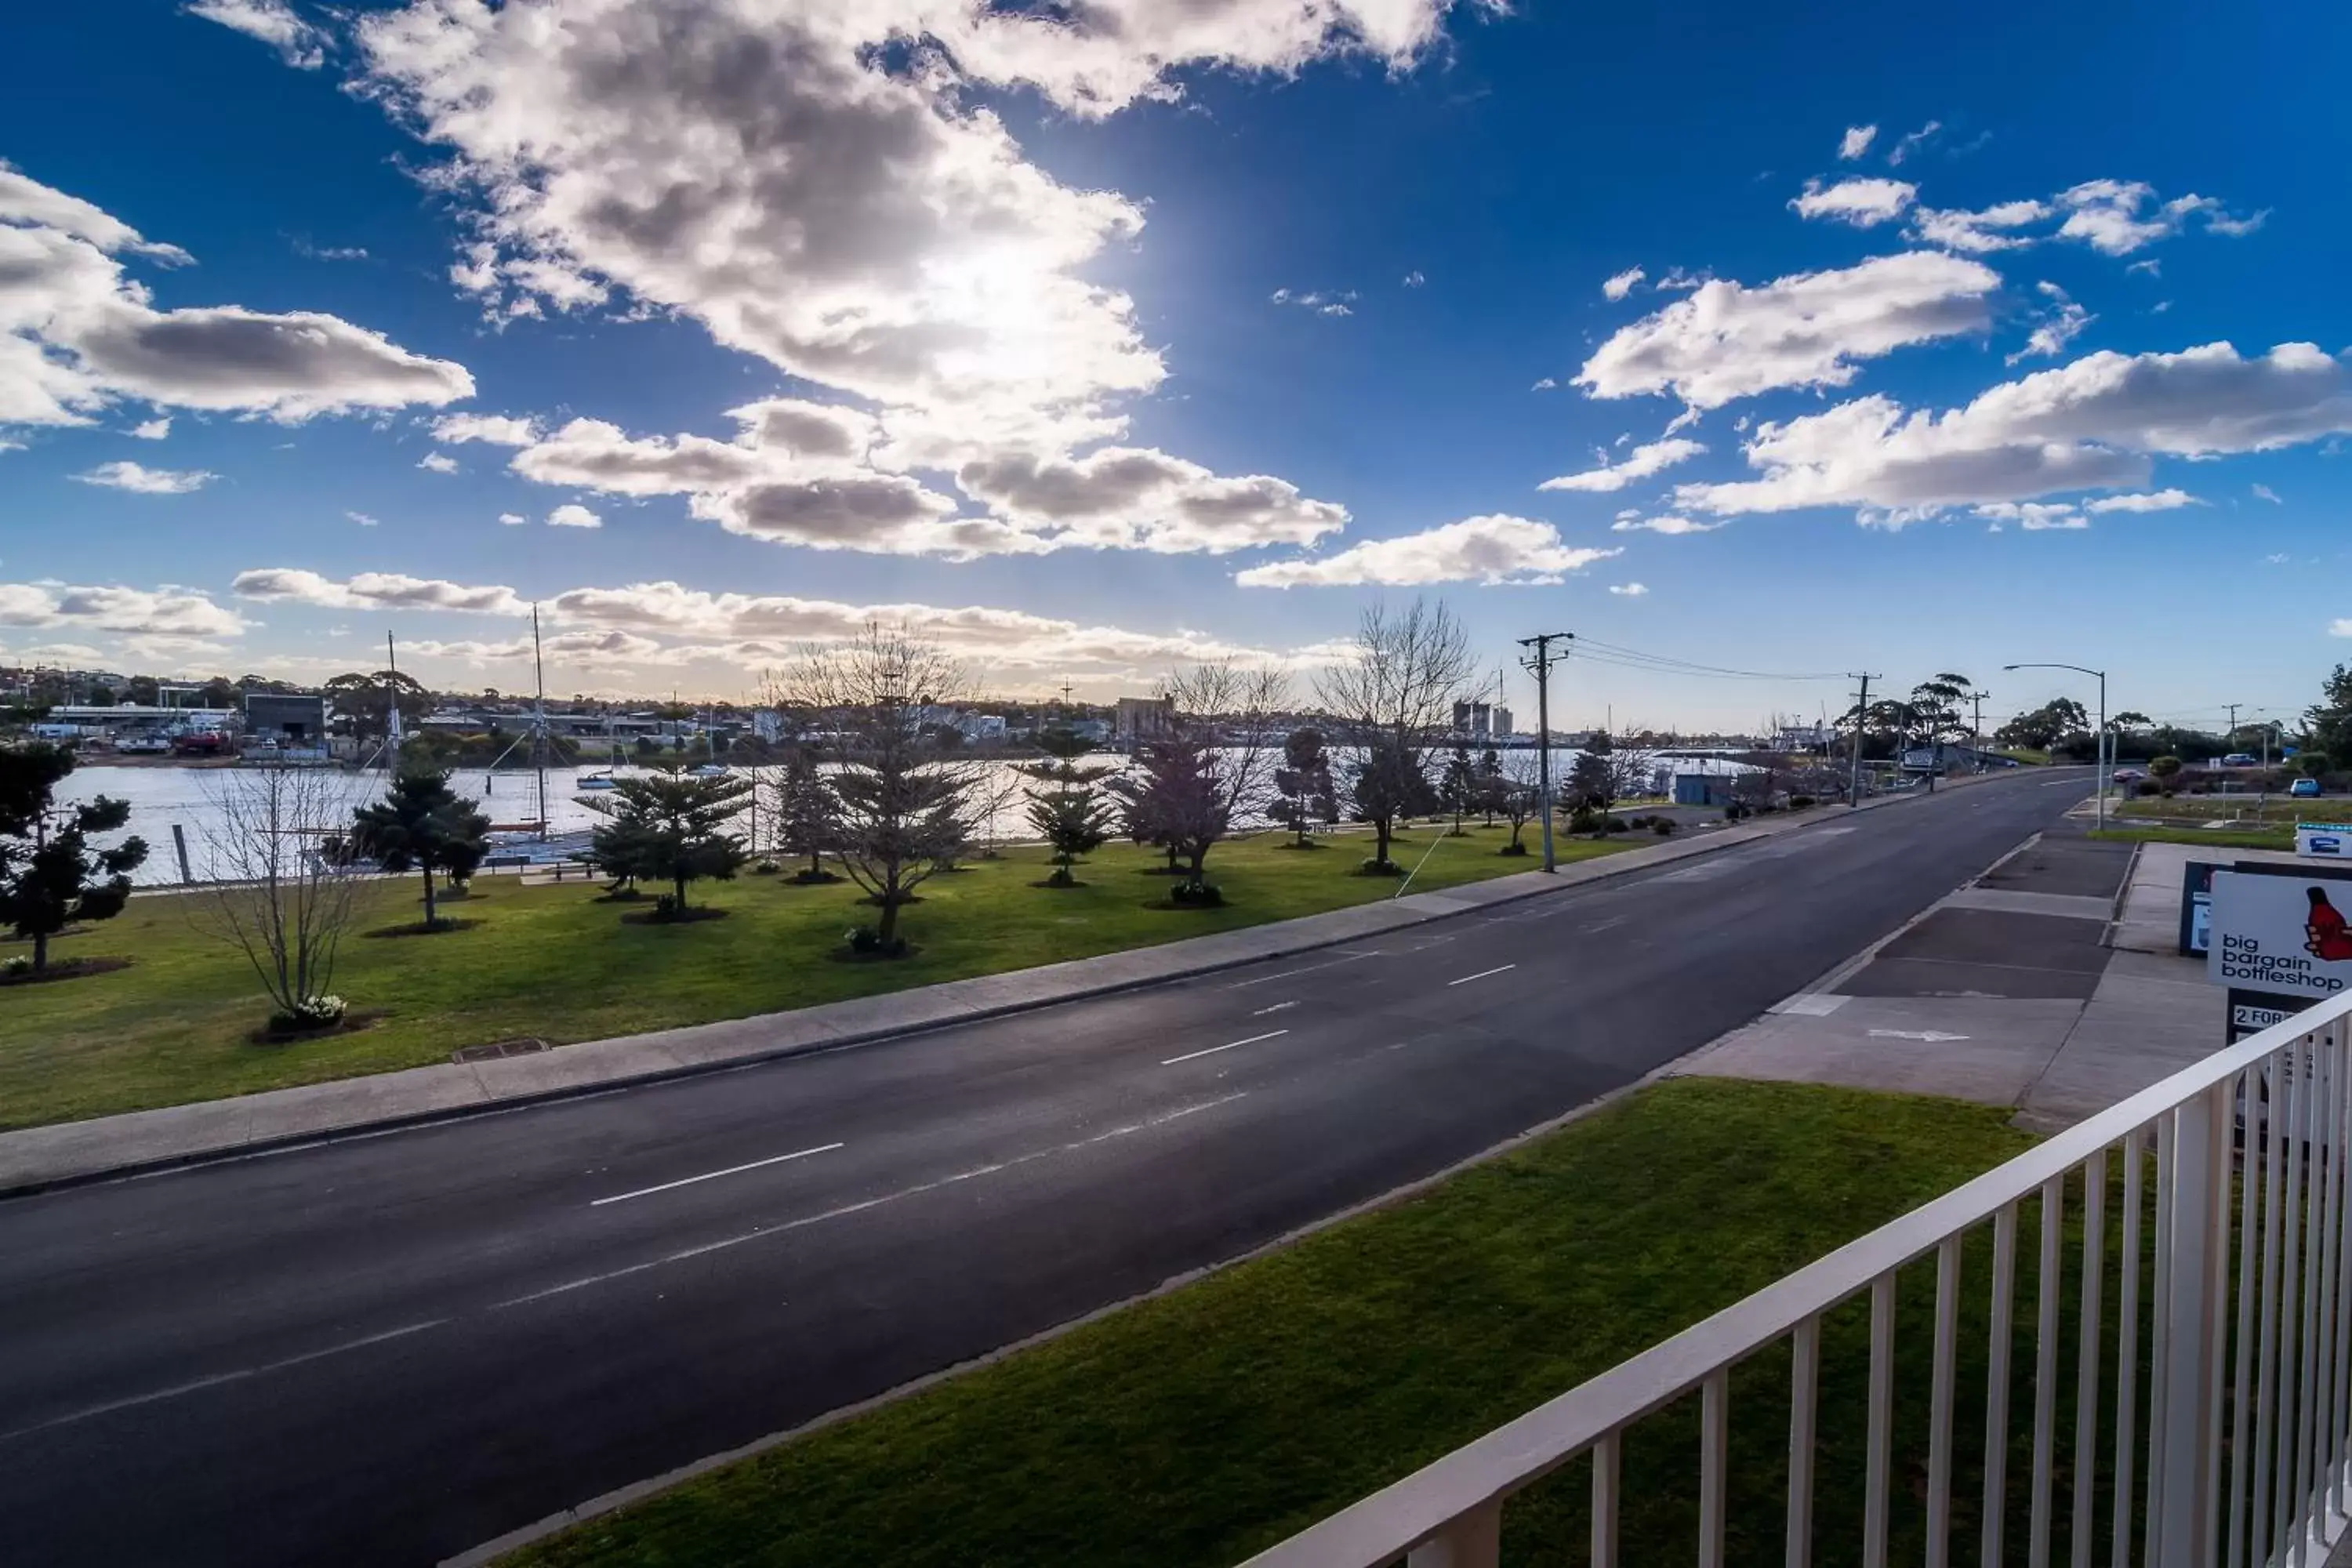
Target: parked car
2130 775
2305 789
2241 759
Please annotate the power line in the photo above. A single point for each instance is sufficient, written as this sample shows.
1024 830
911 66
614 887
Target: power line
1663 664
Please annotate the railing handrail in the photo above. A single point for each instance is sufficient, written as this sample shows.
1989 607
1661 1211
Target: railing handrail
1521 1451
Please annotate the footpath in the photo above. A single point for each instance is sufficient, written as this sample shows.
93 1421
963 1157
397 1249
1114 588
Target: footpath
138 1140
2051 985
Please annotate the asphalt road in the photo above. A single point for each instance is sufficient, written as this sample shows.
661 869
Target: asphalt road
392 1347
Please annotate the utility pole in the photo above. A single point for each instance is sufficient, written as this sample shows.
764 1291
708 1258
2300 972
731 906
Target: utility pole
1861 718
2230 741
1976 726
1540 664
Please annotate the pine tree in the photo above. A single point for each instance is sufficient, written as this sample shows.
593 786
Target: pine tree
1304 782
51 876
671 825
1072 813
422 825
1457 785
808 816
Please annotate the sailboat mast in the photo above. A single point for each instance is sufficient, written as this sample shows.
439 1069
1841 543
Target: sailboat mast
391 699
539 721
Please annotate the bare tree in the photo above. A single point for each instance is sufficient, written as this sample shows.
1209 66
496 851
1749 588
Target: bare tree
1212 772
1393 697
283 891
1518 795
1633 767
903 805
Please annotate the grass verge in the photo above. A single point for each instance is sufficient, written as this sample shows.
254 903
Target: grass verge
2209 838
555 963
1195 1428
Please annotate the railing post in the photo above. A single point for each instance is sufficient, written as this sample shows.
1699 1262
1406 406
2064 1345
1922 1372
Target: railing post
2185 1475
1474 1540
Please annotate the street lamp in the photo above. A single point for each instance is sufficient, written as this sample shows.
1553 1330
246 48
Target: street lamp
2086 670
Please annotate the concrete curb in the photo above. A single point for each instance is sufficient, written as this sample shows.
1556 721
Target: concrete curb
42 1159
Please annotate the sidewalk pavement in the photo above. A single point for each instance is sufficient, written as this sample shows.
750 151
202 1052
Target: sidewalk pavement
2010 991
145 1139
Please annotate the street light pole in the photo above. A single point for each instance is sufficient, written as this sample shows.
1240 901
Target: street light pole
1539 663
2101 751
1860 718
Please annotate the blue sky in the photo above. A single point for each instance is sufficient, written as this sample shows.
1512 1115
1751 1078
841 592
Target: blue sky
1099 344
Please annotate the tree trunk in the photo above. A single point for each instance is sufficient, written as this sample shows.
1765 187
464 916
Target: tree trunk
677 880
1380 829
1199 866
40 953
816 863
429 916
887 929
1171 860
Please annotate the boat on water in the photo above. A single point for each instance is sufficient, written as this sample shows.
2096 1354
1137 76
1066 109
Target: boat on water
707 769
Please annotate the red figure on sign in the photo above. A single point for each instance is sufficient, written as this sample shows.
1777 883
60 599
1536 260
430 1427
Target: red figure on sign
2324 933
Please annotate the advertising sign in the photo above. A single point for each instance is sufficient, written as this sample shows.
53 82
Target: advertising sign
2280 934
2322 840
2252 1012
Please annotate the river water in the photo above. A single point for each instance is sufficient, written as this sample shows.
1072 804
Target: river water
191 798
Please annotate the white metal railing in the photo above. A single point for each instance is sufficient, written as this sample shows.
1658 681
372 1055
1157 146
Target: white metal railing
2228 1444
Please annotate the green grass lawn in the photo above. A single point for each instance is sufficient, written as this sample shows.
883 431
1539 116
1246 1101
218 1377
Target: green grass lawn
2249 808
1195 1428
554 962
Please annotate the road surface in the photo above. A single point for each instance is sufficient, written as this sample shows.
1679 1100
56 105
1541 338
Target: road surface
389 1349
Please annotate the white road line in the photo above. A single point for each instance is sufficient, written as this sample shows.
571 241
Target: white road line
1481 974
1609 924
860 1207
1277 1007
199 1385
1212 1051
714 1175
1351 958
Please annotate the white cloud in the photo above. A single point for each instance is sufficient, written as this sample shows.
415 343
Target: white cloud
1492 550
1414 279
571 514
1138 497
2090 425
1857 141
664 623
1679 281
1727 341
146 481
784 172
152 429
134 612
1640 464
2061 325
1865 203
1911 143
2263 493
374 591
2158 501
2105 215
1546 385
2035 517
437 463
2150 265
1629 590
362 519
1989 229
1637 523
1618 284
299 43
498 429
75 334
513 518
1322 302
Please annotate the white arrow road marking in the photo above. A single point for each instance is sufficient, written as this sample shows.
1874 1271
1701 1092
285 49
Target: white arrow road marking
1933 1036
